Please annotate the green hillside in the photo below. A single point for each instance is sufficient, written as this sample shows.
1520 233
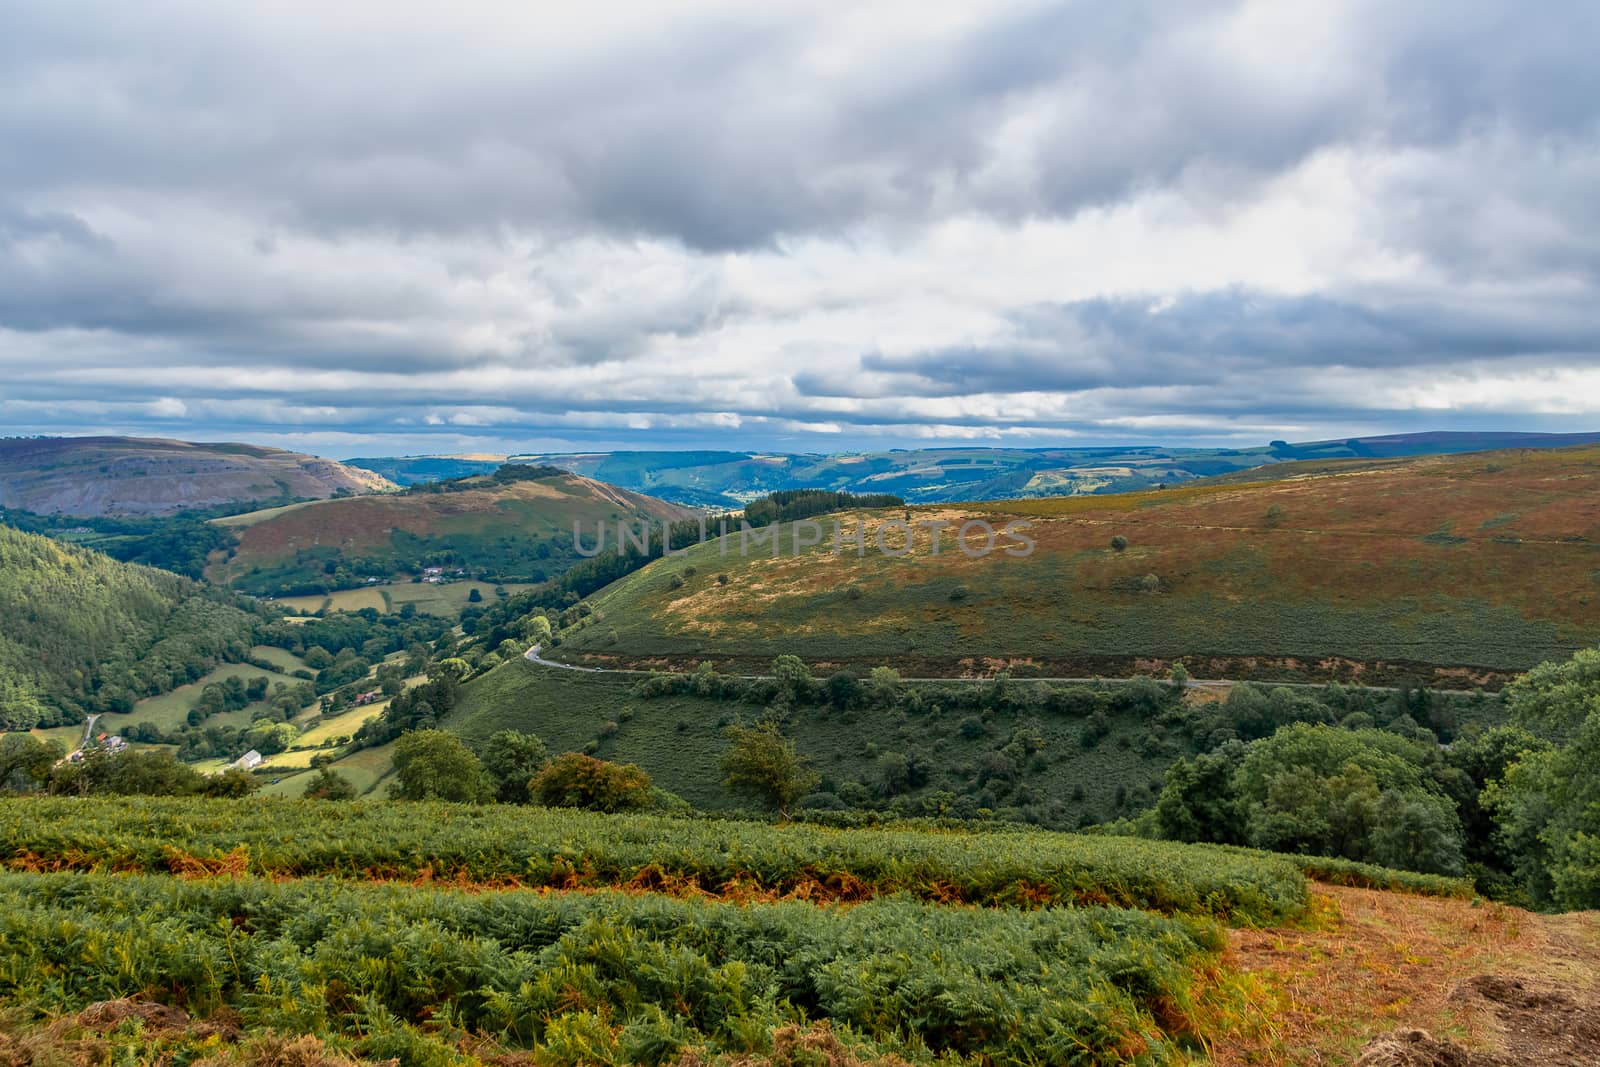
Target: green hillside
84 633
1061 755
1454 571
505 527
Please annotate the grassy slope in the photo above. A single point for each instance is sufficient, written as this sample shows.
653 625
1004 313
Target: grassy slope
171 710
281 658
492 527
1485 561
678 740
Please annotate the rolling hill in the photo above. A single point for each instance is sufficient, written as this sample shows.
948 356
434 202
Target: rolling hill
82 632
505 530
1452 570
715 479
90 476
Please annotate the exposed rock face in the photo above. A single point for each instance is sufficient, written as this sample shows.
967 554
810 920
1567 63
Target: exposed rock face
150 476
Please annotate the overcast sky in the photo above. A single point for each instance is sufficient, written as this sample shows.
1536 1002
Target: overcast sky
364 228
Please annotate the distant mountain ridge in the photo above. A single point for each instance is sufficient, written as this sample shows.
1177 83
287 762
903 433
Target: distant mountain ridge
94 476
719 479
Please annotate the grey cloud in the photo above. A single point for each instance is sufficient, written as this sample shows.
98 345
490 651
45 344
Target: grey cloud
1197 338
204 187
715 136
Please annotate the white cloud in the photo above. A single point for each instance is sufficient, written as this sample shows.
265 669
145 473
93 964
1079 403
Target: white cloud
761 226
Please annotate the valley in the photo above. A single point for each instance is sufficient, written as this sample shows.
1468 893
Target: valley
726 480
1037 534
1240 730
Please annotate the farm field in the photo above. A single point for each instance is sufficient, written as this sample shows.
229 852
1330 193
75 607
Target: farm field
170 710
444 598
365 768
1456 571
316 730
285 661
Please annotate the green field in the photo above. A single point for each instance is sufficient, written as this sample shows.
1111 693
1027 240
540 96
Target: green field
444 598
365 768
250 518
315 729
170 711
285 661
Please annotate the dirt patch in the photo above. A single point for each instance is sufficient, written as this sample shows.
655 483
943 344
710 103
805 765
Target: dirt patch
1539 1024
275 1051
158 1019
796 1046
1389 980
1417 1048
107 1015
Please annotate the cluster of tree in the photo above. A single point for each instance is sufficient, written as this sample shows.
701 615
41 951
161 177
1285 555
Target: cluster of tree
84 633
1512 806
342 647
506 556
505 474
1366 795
792 684
328 784
230 694
1253 711
179 543
762 764
789 505
311 571
1546 804
31 765
515 768
417 709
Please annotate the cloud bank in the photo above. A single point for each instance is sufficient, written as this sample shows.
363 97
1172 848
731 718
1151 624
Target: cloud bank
364 228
